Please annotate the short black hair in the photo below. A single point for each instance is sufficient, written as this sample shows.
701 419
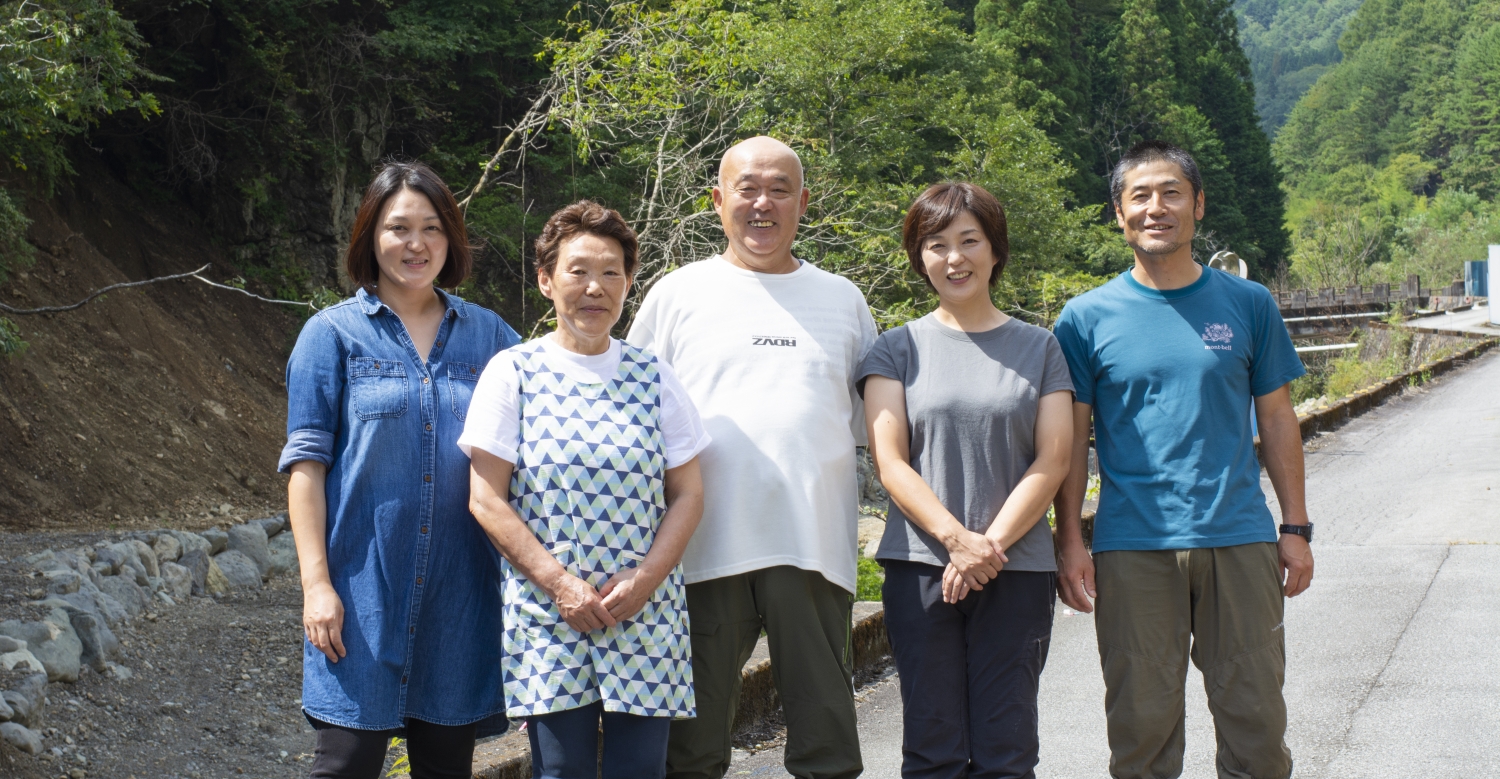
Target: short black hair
1151 151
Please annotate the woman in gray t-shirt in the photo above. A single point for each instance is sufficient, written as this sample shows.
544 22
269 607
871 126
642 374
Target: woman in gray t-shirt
970 416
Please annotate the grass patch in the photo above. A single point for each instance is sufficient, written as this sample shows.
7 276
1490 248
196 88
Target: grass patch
869 577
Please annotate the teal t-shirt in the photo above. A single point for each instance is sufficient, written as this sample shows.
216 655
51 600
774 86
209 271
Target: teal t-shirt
1171 375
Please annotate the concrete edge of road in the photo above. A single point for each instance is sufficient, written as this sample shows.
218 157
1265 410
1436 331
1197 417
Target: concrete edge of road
509 757
1362 401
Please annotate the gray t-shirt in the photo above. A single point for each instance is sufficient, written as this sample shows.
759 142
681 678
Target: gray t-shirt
971 407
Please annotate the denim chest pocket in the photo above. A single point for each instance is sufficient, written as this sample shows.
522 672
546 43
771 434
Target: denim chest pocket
461 380
377 387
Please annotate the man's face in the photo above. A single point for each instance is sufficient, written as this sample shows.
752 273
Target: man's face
760 199
1157 208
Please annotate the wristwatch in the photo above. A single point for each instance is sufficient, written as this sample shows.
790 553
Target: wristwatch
1299 530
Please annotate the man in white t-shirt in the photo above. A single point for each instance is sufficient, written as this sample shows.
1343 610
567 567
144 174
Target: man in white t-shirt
767 347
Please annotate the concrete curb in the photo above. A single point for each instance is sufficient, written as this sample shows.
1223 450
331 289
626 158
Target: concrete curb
1370 397
509 757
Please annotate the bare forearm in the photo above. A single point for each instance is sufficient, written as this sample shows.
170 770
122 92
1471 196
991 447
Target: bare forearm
684 511
1281 448
1069 502
918 502
307 510
518 544
1027 503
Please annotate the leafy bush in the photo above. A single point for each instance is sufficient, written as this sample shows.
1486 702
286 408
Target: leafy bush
870 577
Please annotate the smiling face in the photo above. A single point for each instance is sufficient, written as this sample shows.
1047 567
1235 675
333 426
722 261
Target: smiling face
760 199
1157 209
587 287
410 244
959 260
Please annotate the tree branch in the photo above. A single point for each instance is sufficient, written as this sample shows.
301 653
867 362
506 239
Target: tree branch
128 284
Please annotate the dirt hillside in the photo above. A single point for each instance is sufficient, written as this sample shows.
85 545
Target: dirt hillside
153 404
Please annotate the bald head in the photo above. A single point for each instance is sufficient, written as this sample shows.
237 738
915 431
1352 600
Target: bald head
760 152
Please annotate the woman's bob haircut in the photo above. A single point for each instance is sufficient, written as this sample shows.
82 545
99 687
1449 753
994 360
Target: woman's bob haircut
392 177
585 218
936 208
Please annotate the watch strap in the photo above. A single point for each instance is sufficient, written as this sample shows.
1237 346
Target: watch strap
1305 531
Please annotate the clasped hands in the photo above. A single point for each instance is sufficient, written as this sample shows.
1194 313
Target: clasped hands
973 560
586 609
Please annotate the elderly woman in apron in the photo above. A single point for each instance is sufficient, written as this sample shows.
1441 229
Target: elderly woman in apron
585 477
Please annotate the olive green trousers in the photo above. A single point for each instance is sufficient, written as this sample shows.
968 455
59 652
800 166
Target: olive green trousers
808 626
1220 607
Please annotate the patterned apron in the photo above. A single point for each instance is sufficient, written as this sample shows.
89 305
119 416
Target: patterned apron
589 482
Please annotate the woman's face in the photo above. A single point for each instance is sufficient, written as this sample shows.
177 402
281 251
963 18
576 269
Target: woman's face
410 245
587 286
959 260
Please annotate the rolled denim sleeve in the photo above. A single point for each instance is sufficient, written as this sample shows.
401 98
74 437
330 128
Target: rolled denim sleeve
315 395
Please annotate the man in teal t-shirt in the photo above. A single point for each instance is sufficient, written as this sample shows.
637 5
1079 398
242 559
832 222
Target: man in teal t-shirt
1170 359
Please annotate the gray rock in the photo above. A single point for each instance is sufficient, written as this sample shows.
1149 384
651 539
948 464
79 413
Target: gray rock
126 592
191 542
146 555
250 540
178 580
40 559
31 693
215 583
15 654
283 555
120 672
217 540
21 737
168 549
52 641
108 559
273 525
99 642
239 569
6 712
196 562
63 581
20 708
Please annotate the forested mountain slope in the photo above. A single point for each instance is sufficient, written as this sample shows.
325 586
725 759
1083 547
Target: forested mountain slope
1107 74
1392 159
1290 44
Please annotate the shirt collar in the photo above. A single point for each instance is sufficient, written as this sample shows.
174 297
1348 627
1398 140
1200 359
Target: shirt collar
371 304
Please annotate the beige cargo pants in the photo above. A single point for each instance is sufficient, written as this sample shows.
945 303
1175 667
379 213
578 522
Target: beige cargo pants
1223 608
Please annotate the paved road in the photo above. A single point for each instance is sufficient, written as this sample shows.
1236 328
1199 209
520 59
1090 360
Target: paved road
1475 320
1393 655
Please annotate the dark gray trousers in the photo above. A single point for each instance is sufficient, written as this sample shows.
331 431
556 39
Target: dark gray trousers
969 671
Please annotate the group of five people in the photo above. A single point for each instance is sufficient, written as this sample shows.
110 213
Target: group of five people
591 535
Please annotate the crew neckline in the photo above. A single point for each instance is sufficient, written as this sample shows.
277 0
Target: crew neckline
964 335
803 267
1168 294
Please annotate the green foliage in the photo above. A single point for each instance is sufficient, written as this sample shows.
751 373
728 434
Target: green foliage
1102 76
10 339
880 98
16 252
1290 44
65 63
869 579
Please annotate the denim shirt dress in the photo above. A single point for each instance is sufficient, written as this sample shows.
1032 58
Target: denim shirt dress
418 577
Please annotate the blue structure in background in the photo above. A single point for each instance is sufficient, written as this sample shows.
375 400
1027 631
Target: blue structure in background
1476 279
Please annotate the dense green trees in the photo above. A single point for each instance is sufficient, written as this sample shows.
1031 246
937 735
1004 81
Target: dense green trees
1103 76
1290 44
1408 114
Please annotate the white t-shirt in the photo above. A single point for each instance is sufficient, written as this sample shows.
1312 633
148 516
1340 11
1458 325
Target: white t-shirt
770 362
494 420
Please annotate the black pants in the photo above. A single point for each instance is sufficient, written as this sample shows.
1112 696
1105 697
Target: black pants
435 751
969 671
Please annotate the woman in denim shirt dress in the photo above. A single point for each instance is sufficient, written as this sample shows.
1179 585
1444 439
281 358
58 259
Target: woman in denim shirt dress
401 588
